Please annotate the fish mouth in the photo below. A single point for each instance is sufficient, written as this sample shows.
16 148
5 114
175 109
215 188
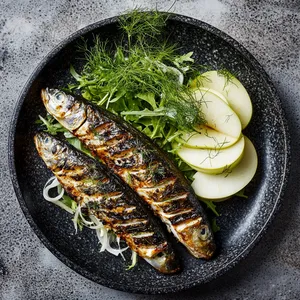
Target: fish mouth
211 250
45 95
207 251
39 141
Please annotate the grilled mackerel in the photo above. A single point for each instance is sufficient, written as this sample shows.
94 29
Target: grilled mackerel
142 165
103 195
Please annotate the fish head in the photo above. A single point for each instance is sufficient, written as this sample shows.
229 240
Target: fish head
205 240
198 237
64 108
53 151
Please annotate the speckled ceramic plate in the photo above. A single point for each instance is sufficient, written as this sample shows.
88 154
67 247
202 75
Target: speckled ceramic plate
242 221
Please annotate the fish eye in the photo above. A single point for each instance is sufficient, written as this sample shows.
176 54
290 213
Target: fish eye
203 233
59 96
54 149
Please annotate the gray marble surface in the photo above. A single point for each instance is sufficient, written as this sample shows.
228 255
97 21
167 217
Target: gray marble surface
270 30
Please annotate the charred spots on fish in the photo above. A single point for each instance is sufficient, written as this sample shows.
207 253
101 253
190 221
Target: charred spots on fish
170 183
88 190
110 203
68 166
175 206
175 189
131 228
97 122
92 205
108 131
105 188
123 216
157 172
185 216
118 146
127 162
147 239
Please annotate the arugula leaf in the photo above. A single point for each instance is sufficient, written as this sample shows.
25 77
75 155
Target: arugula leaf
210 204
214 226
50 125
241 194
180 60
75 142
68 201
148 97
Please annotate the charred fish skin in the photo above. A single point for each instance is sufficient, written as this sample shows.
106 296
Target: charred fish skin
102 194
141 164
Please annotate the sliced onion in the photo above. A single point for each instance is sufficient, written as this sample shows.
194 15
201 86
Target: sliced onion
64 206
105 238
86 222
96 226
133 259
75 219
113 251
121 250
50 184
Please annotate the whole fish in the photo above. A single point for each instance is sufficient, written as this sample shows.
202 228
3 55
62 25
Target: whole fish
141 164
103 195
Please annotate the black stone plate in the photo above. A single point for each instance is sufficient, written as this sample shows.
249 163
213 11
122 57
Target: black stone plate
242 221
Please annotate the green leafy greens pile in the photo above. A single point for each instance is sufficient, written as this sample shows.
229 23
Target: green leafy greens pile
143 79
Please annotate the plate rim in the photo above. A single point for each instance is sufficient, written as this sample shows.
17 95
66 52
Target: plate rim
103 281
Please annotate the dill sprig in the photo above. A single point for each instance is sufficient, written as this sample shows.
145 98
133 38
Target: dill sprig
141 25
228 76
143 78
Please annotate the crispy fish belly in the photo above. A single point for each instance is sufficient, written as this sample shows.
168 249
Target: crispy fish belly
104 195
142 165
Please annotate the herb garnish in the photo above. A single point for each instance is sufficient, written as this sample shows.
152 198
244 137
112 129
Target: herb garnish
143 79
229 77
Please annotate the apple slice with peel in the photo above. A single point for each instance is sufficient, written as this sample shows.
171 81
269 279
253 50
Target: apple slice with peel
218 114
204 89
213 161
207 138
221 186
232 89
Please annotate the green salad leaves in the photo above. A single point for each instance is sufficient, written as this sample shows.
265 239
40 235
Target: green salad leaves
142 79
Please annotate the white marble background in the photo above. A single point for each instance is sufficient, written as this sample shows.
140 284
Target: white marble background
270 30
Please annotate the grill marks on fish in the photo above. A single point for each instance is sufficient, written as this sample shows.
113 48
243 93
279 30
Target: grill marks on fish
87 182
142 169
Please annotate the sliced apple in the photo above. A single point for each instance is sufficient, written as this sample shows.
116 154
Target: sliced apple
207 138
213 161
218 114
204 89
221 186
232 89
